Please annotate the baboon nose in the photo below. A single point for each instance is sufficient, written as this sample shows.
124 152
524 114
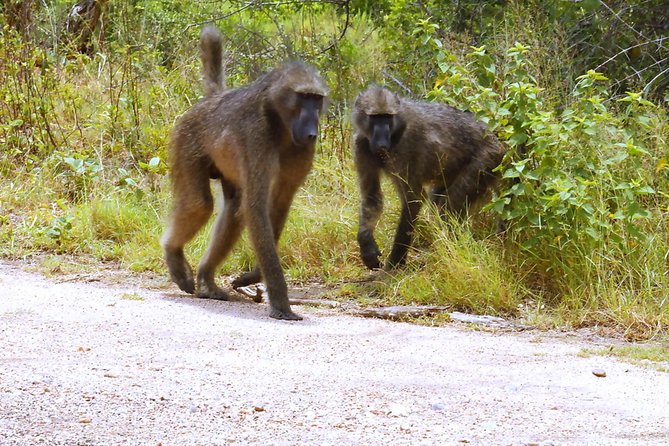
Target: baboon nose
312 136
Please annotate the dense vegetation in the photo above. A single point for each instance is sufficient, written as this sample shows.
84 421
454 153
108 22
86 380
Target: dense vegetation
576 90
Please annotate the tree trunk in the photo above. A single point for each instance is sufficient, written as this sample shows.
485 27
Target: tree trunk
82 22
19 15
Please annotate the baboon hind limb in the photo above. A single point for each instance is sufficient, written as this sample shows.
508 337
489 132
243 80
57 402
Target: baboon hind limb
258 142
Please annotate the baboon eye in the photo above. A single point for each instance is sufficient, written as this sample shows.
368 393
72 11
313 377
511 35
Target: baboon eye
312 96
315 99
381 120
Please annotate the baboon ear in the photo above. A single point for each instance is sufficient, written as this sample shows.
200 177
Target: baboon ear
394 103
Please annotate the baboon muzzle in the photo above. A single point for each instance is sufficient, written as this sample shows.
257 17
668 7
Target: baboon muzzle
305 126
381 138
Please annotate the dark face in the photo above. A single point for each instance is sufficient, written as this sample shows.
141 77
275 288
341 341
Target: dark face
305 124
380 130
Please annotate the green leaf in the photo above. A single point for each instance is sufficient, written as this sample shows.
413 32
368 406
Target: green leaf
529 243
511 173
636 211
499 204
502 111
645 190
592 233
517 139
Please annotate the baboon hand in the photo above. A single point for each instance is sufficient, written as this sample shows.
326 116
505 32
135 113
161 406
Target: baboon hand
180 271
370 257
369 250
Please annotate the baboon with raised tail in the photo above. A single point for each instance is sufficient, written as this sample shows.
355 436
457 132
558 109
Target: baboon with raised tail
258 142
417 144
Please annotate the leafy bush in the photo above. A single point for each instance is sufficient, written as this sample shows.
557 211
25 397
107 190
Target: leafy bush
577 185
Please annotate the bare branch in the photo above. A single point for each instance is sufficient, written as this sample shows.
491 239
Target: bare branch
221 17
637 73
633 29
347 6
623 51
397 81
646 89
260 4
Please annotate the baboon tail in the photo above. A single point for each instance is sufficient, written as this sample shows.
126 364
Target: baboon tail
211 52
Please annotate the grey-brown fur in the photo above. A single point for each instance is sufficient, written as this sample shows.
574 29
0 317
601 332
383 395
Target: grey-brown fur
417 144
211 53
258 142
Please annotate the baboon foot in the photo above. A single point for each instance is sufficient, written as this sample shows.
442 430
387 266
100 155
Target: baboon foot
180 271
370 256
184 279
285 314
247 278
211 291
185 283
397 257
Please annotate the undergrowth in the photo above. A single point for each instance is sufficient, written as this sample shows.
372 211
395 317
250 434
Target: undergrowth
583 191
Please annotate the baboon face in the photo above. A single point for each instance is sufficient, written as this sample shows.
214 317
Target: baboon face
298 97
377 117
304 128
380 129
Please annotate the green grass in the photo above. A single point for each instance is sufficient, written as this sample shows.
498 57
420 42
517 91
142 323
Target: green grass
456 269
655 355
132 296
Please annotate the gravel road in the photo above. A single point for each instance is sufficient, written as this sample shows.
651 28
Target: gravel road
95 363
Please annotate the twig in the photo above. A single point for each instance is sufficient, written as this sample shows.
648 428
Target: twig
221 17
660 40
347 6
634 30
660 74
637 73
394 79
260 4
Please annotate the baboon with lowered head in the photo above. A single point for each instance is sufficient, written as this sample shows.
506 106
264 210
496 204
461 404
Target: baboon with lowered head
417 144
258 142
